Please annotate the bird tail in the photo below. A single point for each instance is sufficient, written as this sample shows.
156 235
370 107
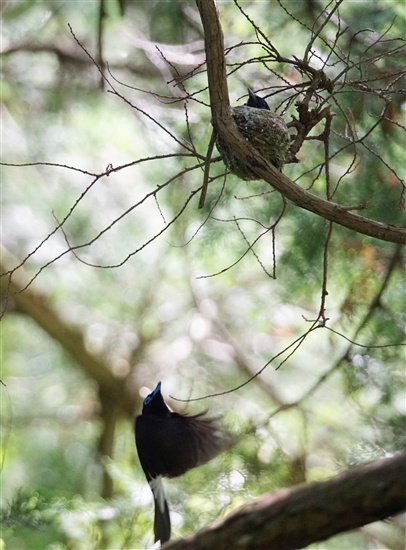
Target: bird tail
162 522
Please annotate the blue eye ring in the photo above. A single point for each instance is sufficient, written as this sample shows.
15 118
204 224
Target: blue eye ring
150 397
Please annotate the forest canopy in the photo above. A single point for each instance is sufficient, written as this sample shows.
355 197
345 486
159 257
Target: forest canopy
131 255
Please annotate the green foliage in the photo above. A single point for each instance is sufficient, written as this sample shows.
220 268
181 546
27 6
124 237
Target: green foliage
30 510
160 313
31 517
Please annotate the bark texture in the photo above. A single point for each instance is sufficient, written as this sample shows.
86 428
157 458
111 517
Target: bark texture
308 513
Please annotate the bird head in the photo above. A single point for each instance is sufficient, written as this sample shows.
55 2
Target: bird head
255 101
154 403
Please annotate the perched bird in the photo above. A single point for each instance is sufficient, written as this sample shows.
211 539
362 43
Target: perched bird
169 444
263 129
255 101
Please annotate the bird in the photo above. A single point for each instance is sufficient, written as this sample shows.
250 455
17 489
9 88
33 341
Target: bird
255 101
169 444
264 130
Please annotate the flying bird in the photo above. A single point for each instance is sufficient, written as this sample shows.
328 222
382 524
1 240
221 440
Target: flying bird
169 444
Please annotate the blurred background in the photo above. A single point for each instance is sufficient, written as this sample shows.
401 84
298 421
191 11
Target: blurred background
139 285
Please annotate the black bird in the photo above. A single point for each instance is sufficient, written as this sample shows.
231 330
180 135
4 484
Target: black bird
169 444
255 101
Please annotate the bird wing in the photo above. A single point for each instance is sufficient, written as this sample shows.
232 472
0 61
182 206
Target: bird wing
173 445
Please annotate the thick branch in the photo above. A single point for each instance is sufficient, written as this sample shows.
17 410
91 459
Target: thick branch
225 126
216 62
294 518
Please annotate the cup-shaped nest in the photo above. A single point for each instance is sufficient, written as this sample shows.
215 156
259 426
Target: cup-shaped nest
263 129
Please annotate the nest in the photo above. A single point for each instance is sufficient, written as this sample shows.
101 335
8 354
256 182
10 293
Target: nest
263 129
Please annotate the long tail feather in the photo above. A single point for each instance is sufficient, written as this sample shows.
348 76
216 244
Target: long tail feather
162 522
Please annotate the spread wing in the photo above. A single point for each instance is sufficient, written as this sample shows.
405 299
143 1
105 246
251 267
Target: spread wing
173 445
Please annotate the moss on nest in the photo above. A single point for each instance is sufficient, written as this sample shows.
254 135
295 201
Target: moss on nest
266 131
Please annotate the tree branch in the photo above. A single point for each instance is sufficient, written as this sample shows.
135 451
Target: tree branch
294 518
226 128
34 304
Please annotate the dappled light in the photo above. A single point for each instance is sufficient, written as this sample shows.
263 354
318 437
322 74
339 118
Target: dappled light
268 291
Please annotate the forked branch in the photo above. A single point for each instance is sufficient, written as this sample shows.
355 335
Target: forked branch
225 126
